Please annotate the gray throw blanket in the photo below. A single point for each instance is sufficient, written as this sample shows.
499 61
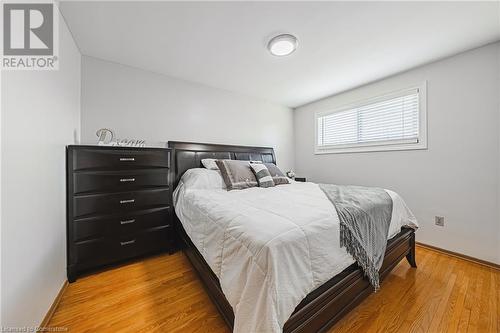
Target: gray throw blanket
365 215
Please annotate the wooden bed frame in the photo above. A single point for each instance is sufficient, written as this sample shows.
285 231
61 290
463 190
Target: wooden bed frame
324 306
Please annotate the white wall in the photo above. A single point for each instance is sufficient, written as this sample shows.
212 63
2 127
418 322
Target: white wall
456 177
146 105
40 115
498 170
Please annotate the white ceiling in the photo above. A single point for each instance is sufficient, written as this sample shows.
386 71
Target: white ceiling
223 44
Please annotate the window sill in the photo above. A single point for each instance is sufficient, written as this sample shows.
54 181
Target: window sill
367 149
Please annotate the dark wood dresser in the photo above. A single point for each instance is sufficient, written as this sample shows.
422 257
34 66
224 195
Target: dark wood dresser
119 205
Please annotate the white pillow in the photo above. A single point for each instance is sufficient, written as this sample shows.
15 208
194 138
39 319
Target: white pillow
203 179
209 163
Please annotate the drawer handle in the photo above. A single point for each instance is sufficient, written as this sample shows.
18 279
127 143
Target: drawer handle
127 201
127 221
124 180
127 242
127 159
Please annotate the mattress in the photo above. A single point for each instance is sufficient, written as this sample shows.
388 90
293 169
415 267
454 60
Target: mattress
269 247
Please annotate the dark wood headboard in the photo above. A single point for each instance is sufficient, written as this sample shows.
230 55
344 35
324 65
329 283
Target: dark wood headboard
188 155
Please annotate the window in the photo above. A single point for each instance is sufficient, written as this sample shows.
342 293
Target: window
395 121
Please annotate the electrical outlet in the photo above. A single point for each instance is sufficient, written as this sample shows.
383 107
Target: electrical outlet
439 221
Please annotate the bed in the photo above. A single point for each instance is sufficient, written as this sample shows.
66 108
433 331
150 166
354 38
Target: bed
329 289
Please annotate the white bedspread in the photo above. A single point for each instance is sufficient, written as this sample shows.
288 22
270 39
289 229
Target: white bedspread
269 247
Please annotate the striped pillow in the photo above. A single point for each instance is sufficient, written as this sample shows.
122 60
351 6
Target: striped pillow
278 177
262 174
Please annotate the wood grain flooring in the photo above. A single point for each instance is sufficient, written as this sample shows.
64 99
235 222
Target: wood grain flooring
163 294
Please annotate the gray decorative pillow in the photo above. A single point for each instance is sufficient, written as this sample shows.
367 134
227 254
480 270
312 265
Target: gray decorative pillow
262 174
236 174
279 177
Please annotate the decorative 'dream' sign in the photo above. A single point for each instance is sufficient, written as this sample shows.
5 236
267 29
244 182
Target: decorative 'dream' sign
107 138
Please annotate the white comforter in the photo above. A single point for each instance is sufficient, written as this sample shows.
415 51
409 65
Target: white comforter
269 247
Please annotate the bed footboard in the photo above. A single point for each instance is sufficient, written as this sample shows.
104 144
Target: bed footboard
326 305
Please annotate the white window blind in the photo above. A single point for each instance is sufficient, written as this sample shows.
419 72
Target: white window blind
393 119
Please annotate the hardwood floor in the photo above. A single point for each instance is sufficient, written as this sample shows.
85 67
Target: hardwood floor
163 294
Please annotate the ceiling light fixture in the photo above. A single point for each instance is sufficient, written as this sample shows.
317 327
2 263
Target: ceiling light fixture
282 45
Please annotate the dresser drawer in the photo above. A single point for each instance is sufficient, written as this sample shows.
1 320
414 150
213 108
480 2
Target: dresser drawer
115 181
119 202
93 158
114 248
122 224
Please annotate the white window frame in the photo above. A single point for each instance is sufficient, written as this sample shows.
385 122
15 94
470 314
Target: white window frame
421 143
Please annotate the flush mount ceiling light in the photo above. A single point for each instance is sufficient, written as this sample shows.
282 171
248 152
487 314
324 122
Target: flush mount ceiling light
282 45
